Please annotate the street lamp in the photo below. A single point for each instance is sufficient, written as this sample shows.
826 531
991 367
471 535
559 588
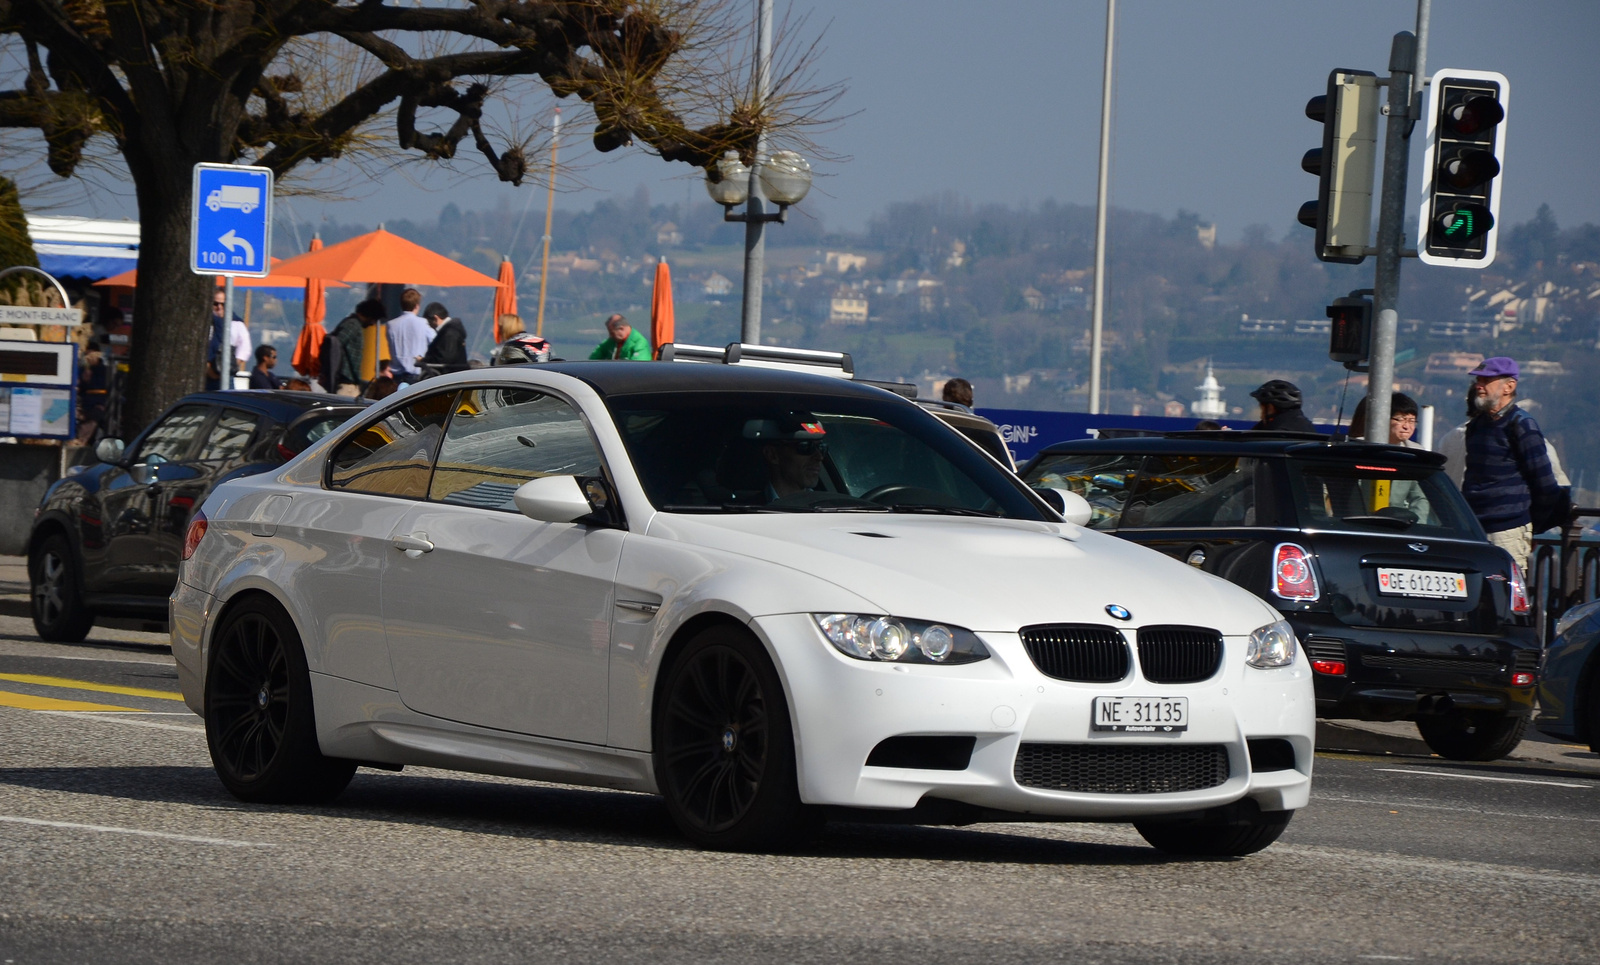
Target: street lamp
784 178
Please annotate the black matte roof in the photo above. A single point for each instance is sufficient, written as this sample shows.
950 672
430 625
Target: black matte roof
1243 444
645 378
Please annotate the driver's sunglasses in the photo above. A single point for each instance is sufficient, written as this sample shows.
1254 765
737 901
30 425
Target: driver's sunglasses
809 447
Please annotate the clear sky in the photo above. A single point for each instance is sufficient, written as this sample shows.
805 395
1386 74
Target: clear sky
1000 101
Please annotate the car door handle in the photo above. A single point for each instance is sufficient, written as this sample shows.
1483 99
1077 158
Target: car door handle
414 545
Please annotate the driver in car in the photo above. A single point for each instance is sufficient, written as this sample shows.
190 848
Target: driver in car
792 450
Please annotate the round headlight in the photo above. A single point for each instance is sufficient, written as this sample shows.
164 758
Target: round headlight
887 638
936 643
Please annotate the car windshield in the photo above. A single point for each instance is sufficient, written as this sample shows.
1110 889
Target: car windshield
1104 479
1380 497
769 452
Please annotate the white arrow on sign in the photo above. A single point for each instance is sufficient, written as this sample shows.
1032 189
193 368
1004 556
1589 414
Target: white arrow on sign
230 239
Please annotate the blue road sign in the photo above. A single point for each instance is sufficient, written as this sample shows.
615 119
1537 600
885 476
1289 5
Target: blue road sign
232 227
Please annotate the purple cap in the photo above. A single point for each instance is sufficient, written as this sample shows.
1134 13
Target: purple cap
1497 367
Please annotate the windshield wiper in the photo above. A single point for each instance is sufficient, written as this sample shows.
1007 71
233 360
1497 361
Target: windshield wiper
715 508
940 510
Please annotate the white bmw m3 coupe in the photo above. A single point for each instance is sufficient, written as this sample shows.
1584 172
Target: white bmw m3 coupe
770 597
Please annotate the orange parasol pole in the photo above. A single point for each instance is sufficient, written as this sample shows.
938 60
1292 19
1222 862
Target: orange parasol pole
308 350
505 297
549 208
662 320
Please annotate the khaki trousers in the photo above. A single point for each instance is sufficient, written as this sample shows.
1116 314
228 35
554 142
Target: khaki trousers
349 390
1518 542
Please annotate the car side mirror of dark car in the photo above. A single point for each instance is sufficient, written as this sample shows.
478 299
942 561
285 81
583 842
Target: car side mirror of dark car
109 450
1074 508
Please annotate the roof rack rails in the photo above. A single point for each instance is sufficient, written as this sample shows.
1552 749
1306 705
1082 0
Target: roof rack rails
837 364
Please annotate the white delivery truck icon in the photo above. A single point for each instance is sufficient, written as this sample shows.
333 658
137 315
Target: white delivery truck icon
240 196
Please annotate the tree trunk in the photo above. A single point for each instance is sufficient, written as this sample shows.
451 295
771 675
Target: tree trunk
171 308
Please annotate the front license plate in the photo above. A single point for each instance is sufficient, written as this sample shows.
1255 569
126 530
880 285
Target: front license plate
1141 715
1433 584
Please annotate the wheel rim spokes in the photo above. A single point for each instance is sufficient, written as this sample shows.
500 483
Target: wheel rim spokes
250 696
715 741
47 593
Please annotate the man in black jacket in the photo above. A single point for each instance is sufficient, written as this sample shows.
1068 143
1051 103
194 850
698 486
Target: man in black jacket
1280 407
448 350
341 349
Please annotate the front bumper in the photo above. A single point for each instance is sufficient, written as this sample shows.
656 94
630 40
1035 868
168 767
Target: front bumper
1395 674
843 708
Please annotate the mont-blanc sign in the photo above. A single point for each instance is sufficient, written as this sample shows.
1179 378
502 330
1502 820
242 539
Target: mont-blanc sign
28 315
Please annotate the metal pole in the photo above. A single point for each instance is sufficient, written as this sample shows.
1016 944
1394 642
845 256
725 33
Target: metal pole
1100 216
549 208
1391 235
755 244
1420 79
225 345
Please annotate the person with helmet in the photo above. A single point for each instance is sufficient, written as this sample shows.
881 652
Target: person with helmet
520 348
1280 407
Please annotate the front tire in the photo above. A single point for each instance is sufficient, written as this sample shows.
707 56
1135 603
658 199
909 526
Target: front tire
1228 832
724 748
1472 737
56 592
260 723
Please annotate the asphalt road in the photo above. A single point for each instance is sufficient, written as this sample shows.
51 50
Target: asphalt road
117 844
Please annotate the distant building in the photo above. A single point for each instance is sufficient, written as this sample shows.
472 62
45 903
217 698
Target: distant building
1210 404
1263 326
1033 298
843 261
847 307
717 285
1207 235
668 234
1313 326
1452 363
1173 409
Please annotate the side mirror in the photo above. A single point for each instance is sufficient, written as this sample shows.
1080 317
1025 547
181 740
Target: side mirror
552 499
1069 504
109 450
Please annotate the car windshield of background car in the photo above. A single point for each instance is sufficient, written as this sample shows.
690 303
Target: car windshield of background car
1101 478
1179 492
1380 497
500 438
228 436
694 452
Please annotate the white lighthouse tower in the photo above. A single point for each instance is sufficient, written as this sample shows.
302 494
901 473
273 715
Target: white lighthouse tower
1210 404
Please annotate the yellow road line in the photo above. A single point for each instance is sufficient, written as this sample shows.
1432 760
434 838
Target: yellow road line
70 684
30 702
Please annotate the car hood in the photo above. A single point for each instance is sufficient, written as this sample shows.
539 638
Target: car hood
983 574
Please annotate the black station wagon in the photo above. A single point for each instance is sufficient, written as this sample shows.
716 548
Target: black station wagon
1403 608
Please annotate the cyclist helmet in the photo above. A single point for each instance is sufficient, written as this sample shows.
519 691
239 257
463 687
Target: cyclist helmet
1277 392
519 349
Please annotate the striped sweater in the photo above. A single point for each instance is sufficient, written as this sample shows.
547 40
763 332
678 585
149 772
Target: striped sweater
1508 480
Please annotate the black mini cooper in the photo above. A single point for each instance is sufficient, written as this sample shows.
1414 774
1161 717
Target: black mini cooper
1404 609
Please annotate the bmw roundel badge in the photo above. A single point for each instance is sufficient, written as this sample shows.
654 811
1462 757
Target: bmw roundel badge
1119 612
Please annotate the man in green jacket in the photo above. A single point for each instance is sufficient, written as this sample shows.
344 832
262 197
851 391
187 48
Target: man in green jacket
624 343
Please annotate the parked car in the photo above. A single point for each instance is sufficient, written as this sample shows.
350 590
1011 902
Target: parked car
1569 687
1404 609
759 593
106 541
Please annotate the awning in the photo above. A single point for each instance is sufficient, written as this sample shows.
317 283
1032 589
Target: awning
84 247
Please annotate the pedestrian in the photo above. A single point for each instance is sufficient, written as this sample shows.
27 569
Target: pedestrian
448 350
237 337
1280 407
409 336
521 348
1508 481
958 391
624 342
1453 446
342 352
94 379
1403 414
262 377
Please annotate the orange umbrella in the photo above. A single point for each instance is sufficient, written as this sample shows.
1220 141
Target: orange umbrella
130 279
505 297
381 257
308 350
662 321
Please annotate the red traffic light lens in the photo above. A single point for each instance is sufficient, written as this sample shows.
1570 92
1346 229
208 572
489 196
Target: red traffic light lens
1474 116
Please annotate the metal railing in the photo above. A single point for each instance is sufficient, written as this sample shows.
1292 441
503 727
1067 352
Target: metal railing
1563 572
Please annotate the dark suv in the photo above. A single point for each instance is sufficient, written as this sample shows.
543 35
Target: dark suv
108 540
1403 608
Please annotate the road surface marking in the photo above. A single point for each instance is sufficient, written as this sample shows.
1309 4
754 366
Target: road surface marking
1480 777
30 702
74 826
1341 799
86 715
67 683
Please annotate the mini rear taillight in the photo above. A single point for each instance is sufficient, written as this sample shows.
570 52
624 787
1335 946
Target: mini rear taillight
1334 668
1519 590
1292 575
285 453
197 532
1522 679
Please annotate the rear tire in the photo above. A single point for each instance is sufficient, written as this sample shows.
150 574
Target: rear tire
724 747
1228 832
260 723
56 593
1472 737
1593 713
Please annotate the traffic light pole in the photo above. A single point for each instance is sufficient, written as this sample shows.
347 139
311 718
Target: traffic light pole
1391 235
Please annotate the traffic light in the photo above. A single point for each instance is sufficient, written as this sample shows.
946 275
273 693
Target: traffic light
1344 164
1466 143
1350 334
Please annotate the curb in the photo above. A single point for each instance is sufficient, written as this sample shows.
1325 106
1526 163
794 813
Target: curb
1333 736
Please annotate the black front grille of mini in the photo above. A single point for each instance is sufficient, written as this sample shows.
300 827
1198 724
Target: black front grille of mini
1525 661
1078 651
1121 768
1178 655
1325 648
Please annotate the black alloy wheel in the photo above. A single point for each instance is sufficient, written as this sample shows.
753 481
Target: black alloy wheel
260 724
1465 736
724 749
59 613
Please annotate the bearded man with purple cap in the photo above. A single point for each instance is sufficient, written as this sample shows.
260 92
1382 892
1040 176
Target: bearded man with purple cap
1508 481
